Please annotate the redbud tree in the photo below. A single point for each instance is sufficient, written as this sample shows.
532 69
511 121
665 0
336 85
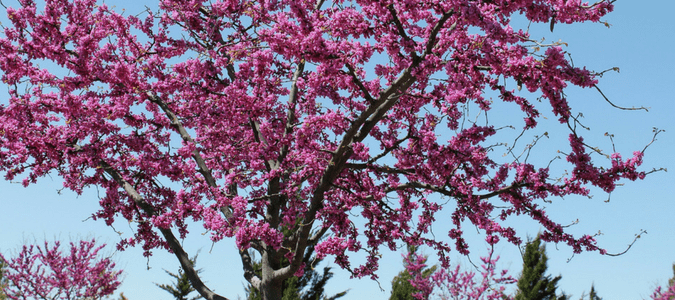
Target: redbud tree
456 284
667 292
664 294
346 125
50 273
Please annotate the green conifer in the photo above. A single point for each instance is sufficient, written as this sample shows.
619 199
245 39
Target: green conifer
401 289
593 295
181 288
533 284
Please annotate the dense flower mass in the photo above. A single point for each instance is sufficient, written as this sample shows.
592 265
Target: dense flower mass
280 123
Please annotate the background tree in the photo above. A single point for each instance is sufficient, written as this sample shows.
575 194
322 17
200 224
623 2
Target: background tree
401 286
181 288
454 284
592 295
533 283
47 272
309 286
3 279
667 293
303 116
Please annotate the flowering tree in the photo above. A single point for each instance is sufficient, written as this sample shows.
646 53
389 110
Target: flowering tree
664 294
3 280
275 122
489 285
667 293
414 281
455 284
48 273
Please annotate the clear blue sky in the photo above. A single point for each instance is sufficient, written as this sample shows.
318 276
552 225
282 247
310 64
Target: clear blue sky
640 42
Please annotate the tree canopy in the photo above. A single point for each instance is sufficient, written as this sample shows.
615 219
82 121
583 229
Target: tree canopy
253 118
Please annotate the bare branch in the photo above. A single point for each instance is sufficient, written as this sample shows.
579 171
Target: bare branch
128 188
389 149
318 4
616 106
317 236
637 236
260 138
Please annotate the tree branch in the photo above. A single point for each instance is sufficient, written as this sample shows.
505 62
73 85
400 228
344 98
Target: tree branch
249 272
178 126
201 163
383 169
290 113
616 106
170 238
357 81
443 191
357 132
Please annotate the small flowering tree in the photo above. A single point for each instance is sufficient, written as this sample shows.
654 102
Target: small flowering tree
667 293
3 279
413 281
283 124
664 294
47 273
456 284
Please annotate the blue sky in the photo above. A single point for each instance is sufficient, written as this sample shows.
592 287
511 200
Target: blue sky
640 42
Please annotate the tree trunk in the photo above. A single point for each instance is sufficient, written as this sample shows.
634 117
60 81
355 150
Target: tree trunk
271 289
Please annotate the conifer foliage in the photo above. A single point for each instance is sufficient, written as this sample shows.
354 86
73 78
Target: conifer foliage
593 295
533 283
181 288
